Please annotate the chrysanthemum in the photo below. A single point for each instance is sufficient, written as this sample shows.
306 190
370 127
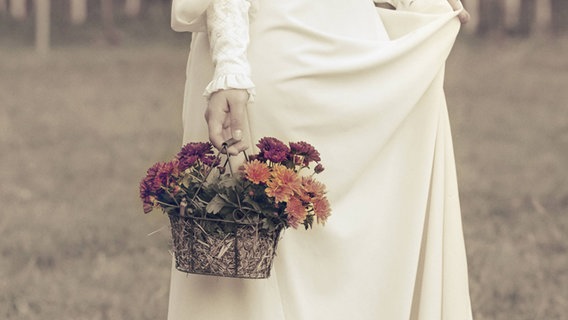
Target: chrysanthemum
306 151
149 180
194 151
257 172
283 183
322 209
147 195
166 174
296 212
187 162
312 188
273 149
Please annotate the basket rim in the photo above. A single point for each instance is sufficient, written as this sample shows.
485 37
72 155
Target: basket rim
192 217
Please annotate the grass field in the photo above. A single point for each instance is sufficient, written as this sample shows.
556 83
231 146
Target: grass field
79 128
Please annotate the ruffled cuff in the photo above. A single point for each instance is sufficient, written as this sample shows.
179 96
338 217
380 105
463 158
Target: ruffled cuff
231 81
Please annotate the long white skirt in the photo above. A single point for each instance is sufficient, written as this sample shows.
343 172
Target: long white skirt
366 90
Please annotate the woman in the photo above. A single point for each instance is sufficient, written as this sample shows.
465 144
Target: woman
364 86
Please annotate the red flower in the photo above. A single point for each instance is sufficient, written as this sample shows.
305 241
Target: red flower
187 162
194 151
306 151
147 195
273 150
166 175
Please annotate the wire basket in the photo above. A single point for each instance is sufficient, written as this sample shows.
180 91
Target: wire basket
244 250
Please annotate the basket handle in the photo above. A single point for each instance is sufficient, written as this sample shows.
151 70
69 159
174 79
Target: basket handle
224 146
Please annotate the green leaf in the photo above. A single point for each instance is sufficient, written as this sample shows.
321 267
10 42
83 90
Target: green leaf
227 181
215 205
253 203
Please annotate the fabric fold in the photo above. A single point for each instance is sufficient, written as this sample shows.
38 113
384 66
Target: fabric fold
368 94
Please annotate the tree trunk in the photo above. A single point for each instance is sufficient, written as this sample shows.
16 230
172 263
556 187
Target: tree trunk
78 11
491 17
132 8
542 18
42 25
559 10
107 15
18 9
526 17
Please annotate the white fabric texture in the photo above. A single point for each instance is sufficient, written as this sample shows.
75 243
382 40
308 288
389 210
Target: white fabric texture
365 87
228 31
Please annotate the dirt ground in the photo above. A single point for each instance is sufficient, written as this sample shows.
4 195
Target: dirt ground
79 128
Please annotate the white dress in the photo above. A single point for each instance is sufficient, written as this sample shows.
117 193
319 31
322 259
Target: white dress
365 87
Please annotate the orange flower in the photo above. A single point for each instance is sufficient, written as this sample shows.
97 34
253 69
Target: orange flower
296 212
296 209
322 210
312 189
283 184
257 172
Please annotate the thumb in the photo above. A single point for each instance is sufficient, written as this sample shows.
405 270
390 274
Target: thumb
237 104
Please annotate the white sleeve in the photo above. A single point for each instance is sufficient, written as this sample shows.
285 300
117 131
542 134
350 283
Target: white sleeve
189 15
228 30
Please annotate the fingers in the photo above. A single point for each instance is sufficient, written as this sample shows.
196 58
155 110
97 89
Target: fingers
464 16
237 100
225 116
215 115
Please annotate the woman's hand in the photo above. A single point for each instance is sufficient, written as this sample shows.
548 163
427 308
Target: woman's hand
464 16
225 116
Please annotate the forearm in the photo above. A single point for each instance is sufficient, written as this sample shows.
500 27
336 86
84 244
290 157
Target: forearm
455 4
228 30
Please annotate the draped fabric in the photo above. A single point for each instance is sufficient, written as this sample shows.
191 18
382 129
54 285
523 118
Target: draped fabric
365 87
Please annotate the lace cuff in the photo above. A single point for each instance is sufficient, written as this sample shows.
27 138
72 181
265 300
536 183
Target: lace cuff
228 30
231 81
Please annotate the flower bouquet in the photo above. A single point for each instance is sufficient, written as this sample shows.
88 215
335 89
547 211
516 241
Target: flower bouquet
227 223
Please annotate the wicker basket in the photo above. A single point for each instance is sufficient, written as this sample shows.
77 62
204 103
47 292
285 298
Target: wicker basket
245 251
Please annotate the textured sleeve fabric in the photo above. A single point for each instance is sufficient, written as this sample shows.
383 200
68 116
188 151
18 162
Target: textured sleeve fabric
228 31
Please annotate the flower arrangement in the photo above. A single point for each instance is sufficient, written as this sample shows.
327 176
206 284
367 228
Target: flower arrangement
229 223
274 188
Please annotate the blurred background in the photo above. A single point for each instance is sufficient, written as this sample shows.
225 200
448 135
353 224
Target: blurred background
90 97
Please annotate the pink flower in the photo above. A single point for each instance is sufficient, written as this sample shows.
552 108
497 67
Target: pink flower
147 195
194 151
272 149
163 176
306 151
187 162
